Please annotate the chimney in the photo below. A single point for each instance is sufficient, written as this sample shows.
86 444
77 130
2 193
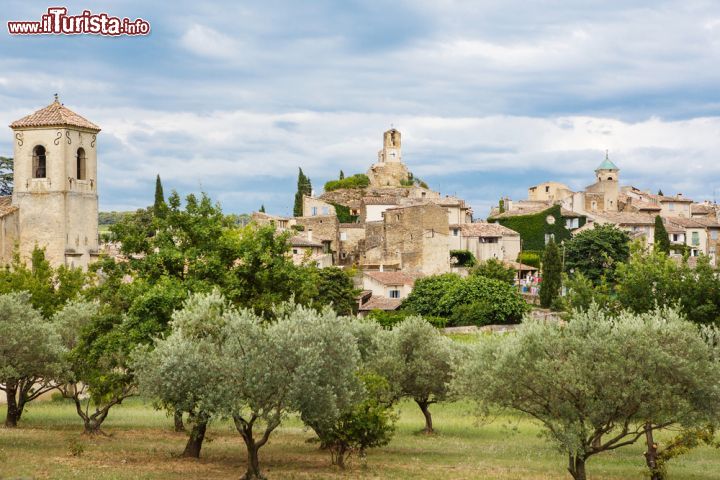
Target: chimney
309 234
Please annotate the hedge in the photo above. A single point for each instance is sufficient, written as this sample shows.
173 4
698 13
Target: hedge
359 180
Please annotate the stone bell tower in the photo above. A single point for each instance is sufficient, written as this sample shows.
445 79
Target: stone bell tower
608 182
55 185
391 151
389 171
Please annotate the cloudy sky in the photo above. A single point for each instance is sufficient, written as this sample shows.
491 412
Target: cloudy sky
490 96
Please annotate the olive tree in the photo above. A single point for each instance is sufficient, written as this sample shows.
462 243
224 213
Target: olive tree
305 362
30 354
421 364
220 362
182 367
598 383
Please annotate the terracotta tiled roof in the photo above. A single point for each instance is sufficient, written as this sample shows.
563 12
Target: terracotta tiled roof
6 206
483 229
380 303
626 218
304 242
392 278
54 115
686 222
380 201
448 201
524 208
519 266
702 209
707 222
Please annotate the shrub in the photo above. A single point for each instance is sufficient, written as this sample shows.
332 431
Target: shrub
476 313
529 258
462 258
390 319
494 268
359 180
427 293
502 303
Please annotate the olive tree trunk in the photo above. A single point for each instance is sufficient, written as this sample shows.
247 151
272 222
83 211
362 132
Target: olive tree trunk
197 435
19 393
13 413
178 421
651 454
245 428
425 408
576 467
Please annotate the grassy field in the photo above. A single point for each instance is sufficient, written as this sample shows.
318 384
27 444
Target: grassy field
142 445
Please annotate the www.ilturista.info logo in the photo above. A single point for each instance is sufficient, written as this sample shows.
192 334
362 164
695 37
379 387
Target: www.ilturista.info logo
58 22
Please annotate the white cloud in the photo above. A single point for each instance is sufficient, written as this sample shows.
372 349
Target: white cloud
206 42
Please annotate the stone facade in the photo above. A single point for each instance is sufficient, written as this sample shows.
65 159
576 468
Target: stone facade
323 229
55 187
414 237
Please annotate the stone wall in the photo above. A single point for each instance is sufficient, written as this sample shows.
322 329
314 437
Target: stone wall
322 228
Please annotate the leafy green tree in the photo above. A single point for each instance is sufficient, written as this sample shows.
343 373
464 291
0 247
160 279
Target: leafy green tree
551 275
49 287
662 240
98 376
491 301
304 187
596 252
6 176
422 364
427 293
582 293
501 206
652 278
159 206
599 383
462 258
30 354
335 288
494 268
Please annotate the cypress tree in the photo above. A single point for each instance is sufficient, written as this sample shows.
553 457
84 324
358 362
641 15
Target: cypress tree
262 208
342 175
551 272
660 193
662 240
304 187
501 206
159 205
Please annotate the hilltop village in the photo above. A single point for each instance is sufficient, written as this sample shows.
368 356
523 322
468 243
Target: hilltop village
388 224
395 229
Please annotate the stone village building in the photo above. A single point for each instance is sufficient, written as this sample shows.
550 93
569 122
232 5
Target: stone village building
401 229
696 226
54 204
